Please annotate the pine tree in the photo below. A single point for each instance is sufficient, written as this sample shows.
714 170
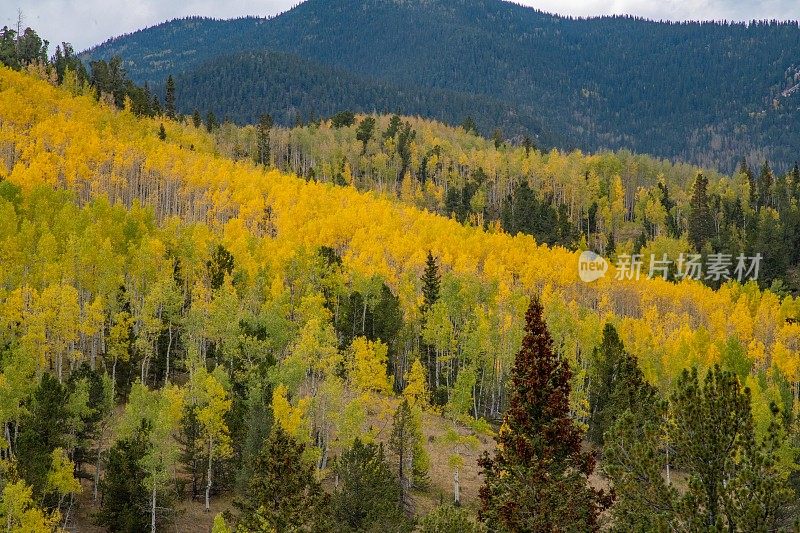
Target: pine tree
263 133
283 494
191 448
497 138
759 497
169 100
406 443
162 133
527 143
765 183
633 460
616 385
365 131
367 492
125 506
42 430
431 283
700 220
156 106
469 126
196 120
211 122
538 477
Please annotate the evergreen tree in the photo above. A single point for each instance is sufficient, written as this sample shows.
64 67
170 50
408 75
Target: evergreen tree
263 137
42 430
169 100
125 505
431 283
734 481
616 385
196 120
469 125
668 204
220 265
156 106
700 219
538 477
634 462
97 390
365 131
162 133
759 497
497 138
765 183
394 127
367 495
211 122
343 119
406 443
283 494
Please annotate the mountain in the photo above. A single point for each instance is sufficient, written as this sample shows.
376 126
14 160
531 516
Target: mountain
708 93
242 86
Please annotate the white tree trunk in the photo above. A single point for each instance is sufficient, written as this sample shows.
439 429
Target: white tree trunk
208 476
456 488
153 511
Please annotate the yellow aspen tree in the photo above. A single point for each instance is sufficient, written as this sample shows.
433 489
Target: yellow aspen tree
368 370
416 391
214 404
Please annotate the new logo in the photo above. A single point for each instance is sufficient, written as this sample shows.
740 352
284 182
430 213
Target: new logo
591 266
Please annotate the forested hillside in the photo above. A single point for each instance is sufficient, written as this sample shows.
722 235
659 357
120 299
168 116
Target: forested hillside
295 90
707 93
177 324
615 203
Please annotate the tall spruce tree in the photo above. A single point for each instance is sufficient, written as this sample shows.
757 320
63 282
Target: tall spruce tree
169 100
431 285
538 477
616 385
765 184
700 219
197 121
263 137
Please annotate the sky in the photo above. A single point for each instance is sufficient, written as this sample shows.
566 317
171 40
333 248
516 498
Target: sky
85 23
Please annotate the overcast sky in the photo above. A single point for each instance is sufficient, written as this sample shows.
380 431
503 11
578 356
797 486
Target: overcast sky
88 22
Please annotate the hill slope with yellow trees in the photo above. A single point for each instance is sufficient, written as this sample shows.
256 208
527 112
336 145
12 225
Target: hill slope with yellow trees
212 299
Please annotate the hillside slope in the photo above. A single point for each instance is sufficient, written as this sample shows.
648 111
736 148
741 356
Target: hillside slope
186 279
243 86
705 92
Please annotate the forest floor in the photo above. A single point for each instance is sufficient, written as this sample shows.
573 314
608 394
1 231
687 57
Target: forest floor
191 517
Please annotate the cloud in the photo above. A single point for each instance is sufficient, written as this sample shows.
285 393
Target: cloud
88 22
